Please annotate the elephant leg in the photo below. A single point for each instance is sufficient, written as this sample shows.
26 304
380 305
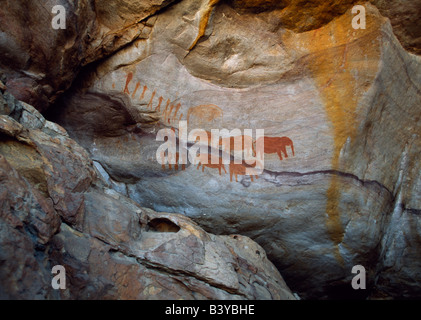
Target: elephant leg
280 155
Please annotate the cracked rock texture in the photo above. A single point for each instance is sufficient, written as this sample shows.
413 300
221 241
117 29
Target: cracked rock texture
341 108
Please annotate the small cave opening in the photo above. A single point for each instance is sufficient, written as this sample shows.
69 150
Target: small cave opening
162 225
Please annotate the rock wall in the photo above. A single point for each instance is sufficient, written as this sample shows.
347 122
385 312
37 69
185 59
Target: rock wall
40 63
54 210
340 108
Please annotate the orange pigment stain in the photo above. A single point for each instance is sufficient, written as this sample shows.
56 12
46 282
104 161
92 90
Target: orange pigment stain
143 92
128 79
335 53
135 90
158 108
176 111
150 106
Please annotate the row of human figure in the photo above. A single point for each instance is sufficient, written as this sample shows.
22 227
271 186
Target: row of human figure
169 110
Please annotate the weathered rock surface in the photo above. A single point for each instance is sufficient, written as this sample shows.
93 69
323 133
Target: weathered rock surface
40 63
55 211
165 256
347 101
404 16
352 185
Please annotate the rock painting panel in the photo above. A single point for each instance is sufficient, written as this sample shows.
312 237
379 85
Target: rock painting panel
207 113
240 170
204 113
168 111
277 145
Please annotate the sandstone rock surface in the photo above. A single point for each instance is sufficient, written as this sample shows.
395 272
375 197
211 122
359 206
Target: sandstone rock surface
55 211
330 89
40 63
404 16
341 187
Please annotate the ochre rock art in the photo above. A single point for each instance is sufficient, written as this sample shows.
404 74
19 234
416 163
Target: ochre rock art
277 145
135 90
128 79
272 145
167 110
204 112
177 161
207 113
143 92
218 166
240 169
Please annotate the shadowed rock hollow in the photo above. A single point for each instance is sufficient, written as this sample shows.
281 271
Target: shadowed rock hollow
340 109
